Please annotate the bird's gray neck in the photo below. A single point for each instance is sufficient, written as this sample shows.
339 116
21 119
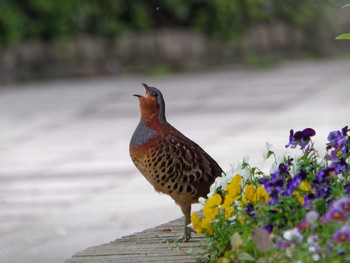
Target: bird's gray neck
161 115
161 118
141 135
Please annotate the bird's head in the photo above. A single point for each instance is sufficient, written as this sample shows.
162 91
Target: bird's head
152 104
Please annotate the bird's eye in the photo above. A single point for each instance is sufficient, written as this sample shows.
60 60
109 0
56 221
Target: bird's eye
154 94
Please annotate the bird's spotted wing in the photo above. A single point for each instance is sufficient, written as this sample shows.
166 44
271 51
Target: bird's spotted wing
183 166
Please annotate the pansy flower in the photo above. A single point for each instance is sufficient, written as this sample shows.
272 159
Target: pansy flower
211 209
268 228
337 143
334 214
321 184
295 182
282 243
342 235
343 204
347 189
301 138
309 221
293 235
274 186
340 166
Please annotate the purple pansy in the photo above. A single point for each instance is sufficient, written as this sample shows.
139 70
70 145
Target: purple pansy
312 217
342 235
334 214
309 221
323 174
337 143
250 210
301 138
321 184
282 243
268 228
339 166
343 205
294 182
273 197
308 199
293 235
321 189
274 185
347 189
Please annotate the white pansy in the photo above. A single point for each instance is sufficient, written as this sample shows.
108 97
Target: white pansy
218 183
237 169
222 181
246 159
316 257
293 235
267 150
202 200
312 249
274 168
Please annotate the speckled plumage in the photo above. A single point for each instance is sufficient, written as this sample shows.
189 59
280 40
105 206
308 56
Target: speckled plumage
171 162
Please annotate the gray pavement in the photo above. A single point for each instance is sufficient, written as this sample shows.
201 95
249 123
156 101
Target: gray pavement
66 180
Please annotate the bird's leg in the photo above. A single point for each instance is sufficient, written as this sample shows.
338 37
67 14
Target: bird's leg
186 210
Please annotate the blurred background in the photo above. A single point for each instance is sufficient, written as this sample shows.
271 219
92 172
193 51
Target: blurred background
235 74
50 39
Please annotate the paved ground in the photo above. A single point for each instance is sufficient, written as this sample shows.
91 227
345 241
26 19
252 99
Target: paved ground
153 245
66 180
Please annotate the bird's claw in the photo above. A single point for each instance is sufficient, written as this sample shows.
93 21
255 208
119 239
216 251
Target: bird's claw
187 235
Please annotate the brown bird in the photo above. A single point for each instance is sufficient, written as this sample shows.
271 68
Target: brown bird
171 162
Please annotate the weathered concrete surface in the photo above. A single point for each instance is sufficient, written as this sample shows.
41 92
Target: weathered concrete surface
66 180
152 245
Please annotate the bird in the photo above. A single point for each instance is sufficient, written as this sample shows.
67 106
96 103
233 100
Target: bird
172 163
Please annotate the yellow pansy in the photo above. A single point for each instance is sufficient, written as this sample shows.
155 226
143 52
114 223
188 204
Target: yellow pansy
228 212
210 213
250 193
207 226
227 205
305 186
196 223
233 193
262 194
301 200
214 201
255 195
234 187
211 208
241 219
229 200
201 225
299 197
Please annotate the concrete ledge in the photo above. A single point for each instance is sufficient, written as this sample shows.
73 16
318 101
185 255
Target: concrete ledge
148 246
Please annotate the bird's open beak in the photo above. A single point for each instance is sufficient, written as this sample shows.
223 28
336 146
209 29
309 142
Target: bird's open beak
146 88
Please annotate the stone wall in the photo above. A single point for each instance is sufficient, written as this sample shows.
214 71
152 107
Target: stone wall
174 49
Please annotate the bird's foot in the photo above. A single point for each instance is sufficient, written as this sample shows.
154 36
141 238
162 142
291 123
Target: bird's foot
187 235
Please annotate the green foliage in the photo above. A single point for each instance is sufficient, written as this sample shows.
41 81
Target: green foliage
298 213
228 19
345 36
11 21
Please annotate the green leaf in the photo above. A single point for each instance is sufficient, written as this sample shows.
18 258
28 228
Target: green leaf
223 260
245 257
346 6
344 36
